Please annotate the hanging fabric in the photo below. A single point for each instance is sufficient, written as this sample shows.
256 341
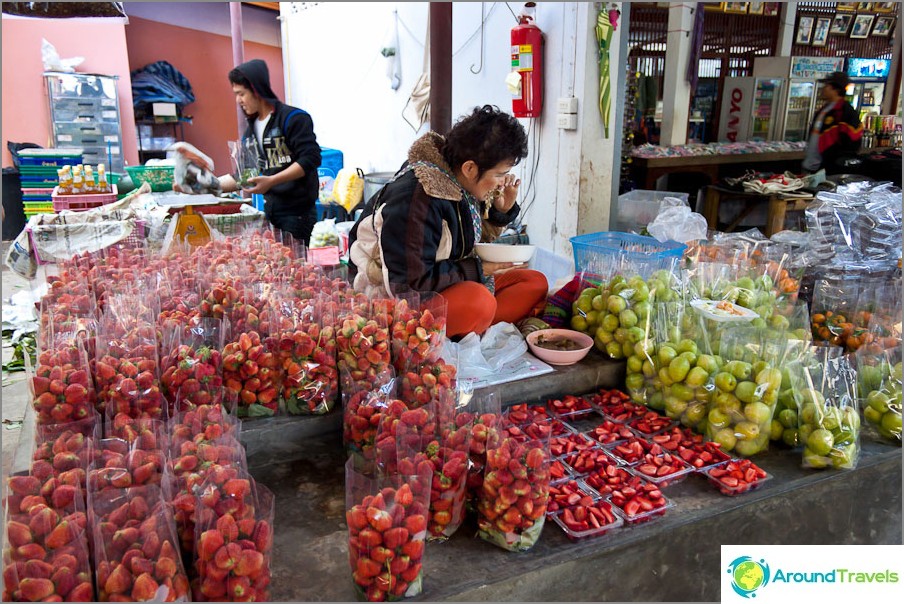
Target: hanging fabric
604 31
693 61
417 110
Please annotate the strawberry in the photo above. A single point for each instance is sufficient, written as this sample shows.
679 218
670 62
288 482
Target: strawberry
249 563
209 543
144 588
35 590
18 534
119 581
83 592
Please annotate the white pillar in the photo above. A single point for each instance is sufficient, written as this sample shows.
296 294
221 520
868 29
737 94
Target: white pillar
676 92
786 29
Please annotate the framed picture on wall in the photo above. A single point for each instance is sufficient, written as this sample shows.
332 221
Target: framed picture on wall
864 6
883 26
735 7
757 8
841 24
884 7
804 30
848 7
862 25
771 8
821 31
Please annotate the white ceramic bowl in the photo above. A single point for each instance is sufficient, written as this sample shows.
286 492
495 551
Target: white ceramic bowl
559 357
502 252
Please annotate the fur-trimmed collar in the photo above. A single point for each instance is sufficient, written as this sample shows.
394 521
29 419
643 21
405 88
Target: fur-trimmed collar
435 183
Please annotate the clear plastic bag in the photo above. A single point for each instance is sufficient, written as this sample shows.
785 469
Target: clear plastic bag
418 329
511 516
45 544
192 369
247 162
387 526
879 391
234 517
136 551
678 223
307 349
829 421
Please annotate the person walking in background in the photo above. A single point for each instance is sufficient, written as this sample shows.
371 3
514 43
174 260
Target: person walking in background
836 131
288 148
419 232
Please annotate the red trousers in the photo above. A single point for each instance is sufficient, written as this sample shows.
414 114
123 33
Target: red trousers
471 306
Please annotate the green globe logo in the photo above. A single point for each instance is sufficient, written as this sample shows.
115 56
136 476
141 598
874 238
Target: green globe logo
748 575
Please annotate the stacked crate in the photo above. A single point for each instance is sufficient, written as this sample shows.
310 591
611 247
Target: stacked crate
38 175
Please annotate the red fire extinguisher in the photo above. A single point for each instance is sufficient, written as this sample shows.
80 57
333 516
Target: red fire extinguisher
527 61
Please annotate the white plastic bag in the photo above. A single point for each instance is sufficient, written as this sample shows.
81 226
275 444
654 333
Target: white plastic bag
193 172
325 234
501 344
678 223
471 362
53 62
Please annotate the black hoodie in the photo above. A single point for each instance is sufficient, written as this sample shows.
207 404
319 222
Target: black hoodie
289 137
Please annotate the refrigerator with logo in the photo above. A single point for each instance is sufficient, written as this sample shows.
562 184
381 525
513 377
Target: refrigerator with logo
750 109
801 95
868 77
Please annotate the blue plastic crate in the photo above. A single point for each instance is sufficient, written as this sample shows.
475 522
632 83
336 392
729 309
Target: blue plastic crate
331 161
602 253
49 161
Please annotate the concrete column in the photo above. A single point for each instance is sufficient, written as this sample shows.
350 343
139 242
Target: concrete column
788 16
676 92
440 67
600 157
238 55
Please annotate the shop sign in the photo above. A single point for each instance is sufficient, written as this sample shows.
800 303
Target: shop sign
815 67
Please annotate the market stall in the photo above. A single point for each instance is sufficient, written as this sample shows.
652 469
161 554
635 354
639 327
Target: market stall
703 402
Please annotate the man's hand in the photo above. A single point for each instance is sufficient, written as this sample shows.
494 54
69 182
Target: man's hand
261 184
509 196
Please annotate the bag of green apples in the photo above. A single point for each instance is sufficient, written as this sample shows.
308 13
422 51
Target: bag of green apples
792 320
879 391
747 387
631 292
829 421
687 367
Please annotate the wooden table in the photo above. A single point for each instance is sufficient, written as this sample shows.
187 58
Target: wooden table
647 170
778 205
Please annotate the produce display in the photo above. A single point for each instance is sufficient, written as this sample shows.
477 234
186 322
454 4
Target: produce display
139 489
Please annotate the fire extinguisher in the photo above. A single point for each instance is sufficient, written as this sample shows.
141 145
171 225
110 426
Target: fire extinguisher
527 61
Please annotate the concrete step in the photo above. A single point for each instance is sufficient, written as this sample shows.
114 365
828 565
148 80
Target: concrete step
285 438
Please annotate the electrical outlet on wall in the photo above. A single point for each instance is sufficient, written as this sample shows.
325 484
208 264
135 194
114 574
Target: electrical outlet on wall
567 104
567 121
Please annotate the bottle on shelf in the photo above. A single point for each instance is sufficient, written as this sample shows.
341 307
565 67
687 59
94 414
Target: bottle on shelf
63 187
89 180
102 185
78 184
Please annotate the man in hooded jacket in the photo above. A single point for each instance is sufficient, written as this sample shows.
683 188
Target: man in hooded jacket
290 154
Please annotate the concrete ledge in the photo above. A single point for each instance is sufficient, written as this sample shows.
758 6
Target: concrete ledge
279 439
673 558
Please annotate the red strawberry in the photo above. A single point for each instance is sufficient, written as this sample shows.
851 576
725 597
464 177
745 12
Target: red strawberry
83 592
144 589
38 569
35 590
24 485
416 523
59 536
249 563
63 496
18 534
209 543
119 581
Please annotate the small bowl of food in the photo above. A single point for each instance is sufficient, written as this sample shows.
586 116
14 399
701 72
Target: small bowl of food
559 346
504 252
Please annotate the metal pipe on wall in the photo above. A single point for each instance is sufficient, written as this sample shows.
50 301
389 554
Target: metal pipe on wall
238 55
441 67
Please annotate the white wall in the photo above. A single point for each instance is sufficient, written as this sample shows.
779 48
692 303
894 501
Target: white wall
336 73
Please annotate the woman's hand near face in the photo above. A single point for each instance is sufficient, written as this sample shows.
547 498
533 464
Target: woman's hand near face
509 196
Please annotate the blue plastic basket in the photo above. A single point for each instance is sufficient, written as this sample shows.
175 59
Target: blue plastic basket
601 253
